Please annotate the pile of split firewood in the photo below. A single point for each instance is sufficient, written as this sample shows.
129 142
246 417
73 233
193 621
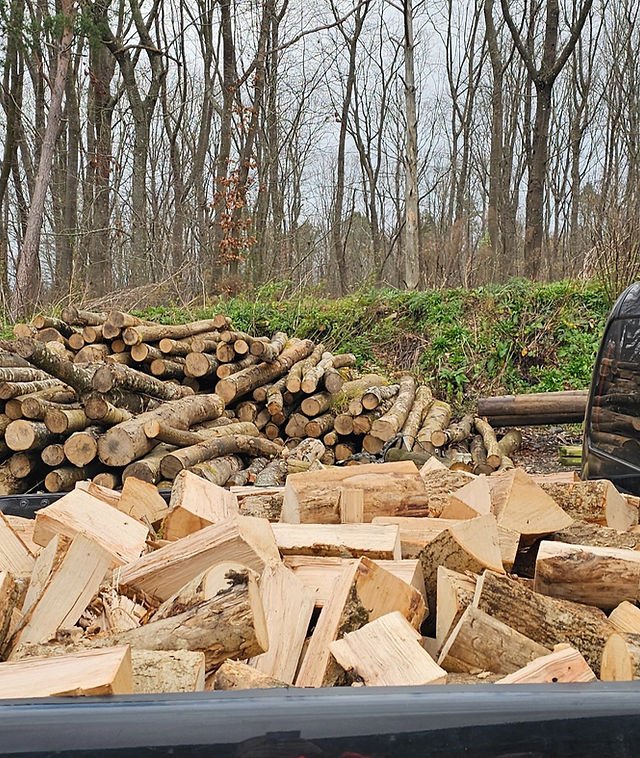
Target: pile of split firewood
372 575
105 396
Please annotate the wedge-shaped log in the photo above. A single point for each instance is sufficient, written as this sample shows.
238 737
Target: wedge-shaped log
565 664
288 604
415 533
441 483
196 503
78 512
66 592
15 556
621 658
522 505
362 593
600 576
127 441
546 620
230 625
474 499
389 489
340 540
470 545
320 574
388 652
9 597
626 618
480 642
142 501
199 590
581 533
454 595
243 539
234 675
93 672
596 501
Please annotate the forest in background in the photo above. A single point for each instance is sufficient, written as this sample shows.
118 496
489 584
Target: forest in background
223 144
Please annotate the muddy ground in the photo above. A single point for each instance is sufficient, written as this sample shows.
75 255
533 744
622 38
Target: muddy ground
539 451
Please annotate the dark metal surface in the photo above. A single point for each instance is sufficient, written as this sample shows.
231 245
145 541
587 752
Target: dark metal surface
27 505
596 462
483 720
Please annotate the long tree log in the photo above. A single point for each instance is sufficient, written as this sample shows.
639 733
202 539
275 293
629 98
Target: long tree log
539 408
27 435
248 379
547 620
230 625
10 390
98 408
82 447
294 379
148 468
218 470
510 443
173 463
494 454
63 421
269 351
23 375
479 455
114 376
375 395
76 376
389 425
455 433
437 418
126 442
34 405
153 333
79 317
416 416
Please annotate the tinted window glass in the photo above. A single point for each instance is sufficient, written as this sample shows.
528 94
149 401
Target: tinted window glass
615 417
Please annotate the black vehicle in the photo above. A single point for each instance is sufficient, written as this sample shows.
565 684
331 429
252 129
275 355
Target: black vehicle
612 421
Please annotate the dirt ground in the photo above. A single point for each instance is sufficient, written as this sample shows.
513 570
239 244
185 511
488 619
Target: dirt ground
539 451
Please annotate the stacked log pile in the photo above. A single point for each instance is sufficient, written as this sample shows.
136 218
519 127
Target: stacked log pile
372 575
105 396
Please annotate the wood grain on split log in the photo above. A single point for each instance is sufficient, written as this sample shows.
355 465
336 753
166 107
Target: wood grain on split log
243 539
547 620
480 642
599 576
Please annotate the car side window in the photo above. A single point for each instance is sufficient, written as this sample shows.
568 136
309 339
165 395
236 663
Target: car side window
615 415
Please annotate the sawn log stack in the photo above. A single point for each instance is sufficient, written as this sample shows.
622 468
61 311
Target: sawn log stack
105 396
373 575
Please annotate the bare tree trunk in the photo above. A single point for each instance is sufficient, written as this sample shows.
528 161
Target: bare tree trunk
25 292
412 273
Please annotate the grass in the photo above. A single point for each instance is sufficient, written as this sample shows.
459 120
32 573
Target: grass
515 337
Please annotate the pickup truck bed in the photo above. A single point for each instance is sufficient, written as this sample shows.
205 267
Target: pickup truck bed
403 722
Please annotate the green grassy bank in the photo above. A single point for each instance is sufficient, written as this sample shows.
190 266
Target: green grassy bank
510 338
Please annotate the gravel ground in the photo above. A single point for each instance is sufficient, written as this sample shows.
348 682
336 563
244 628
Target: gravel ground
539 451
